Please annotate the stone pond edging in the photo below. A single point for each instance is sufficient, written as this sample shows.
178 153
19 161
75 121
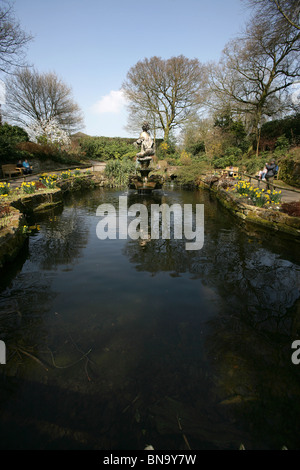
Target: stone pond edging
271 219
13 236
38 202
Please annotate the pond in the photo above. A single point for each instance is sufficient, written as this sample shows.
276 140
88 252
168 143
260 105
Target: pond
119 343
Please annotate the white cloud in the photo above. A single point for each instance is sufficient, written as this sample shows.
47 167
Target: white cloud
111 103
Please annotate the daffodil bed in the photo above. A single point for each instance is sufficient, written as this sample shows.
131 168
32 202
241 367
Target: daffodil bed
16 202
256 196
46 183
256 206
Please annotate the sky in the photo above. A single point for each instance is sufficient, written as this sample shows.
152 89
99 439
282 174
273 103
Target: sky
92 44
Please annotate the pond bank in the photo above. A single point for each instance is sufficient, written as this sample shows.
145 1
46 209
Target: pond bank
12 237
269 218
14 234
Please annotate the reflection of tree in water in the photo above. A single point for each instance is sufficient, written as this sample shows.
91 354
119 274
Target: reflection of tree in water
255 378
249 345
248 277
22 308
63 239
25 299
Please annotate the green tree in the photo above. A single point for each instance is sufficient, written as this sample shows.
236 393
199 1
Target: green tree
10 136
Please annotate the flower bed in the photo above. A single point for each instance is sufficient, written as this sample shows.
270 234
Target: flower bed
243 203
256 196
4 190
29 198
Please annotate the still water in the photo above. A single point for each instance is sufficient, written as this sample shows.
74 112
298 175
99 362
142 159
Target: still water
116 344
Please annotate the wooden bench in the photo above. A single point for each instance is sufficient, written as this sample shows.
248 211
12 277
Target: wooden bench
234 170
11 170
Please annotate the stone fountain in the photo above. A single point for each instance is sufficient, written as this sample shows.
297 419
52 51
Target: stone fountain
144 183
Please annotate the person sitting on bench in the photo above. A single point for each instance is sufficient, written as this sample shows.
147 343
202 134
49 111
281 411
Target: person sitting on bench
271 172
262 173
27 169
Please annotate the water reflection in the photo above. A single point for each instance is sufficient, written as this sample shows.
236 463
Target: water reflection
249 340
137 335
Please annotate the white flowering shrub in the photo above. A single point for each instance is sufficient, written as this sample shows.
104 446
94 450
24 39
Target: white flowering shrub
48 132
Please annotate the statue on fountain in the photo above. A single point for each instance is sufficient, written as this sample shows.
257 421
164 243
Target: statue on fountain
146 143
144 183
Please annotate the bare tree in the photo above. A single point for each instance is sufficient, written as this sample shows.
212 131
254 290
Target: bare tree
13 39
33 97
164 90
255 71
279 12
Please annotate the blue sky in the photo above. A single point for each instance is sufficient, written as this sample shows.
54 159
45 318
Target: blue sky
92 44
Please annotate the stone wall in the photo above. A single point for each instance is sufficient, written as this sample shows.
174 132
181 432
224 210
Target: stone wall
271 219
38 202
12 237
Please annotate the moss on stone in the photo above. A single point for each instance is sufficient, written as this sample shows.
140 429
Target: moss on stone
12 237
268 218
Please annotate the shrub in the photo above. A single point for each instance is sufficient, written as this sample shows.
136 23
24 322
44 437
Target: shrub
107 148
119 171
222 162
196 148
46 151
185 158
189 175
282 145
288 126
290 171
253 165
36 150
